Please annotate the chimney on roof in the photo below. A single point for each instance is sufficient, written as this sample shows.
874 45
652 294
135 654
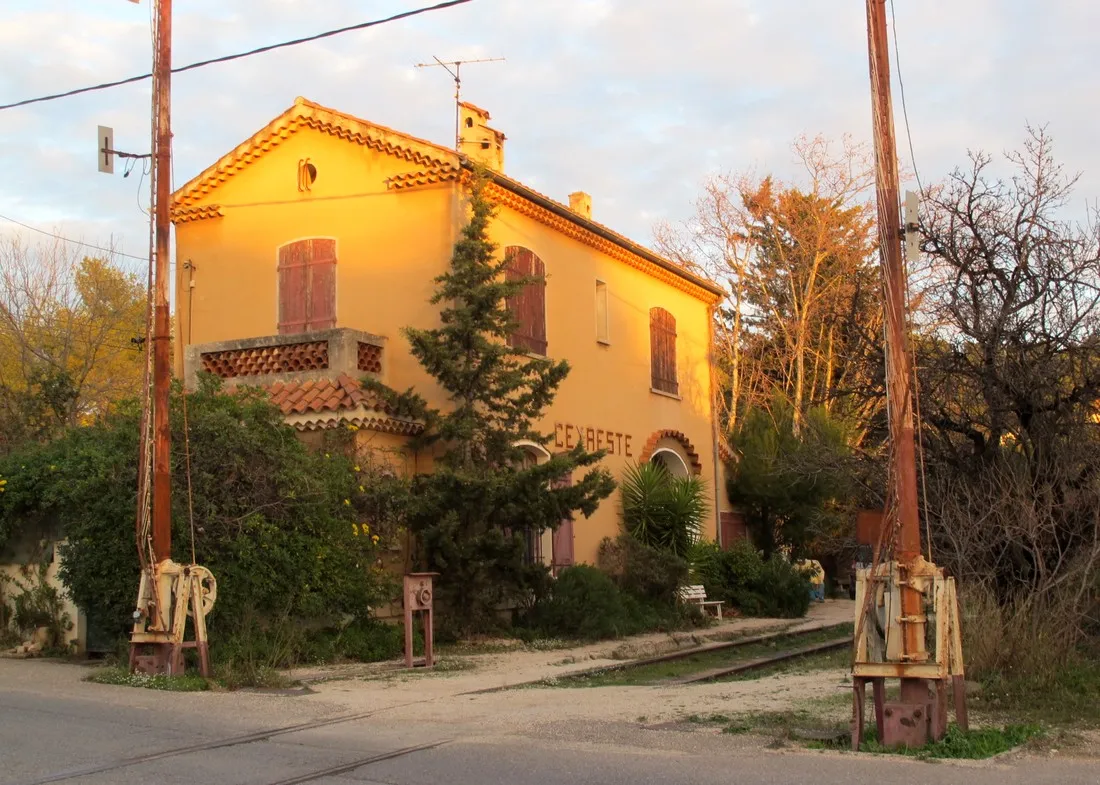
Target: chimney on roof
477 141
581 204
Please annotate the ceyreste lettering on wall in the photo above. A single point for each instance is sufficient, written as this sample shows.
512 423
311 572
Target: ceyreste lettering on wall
569 435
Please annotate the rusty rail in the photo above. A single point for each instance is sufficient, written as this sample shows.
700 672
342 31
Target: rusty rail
669 656
762 662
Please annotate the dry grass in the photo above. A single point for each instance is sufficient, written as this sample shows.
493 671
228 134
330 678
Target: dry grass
1026 638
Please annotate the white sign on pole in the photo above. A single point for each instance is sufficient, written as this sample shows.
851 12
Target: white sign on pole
912 226
105 149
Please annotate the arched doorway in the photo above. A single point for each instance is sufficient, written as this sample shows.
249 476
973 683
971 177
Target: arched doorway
552 547
538 545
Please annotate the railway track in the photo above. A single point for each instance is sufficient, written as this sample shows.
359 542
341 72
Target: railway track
732 669
763 662
251 738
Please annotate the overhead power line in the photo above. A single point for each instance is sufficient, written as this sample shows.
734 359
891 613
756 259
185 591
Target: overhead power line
249 53
81 243
904 108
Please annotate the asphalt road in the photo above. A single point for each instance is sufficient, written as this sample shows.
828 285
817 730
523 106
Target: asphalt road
46 735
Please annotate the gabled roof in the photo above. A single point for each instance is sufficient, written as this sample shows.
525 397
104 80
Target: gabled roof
430 164
306 114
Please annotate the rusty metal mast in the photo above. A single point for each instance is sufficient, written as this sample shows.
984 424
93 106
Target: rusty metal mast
162 153
907 613
898 360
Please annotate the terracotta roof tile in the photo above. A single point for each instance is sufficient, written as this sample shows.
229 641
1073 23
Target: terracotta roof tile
323 395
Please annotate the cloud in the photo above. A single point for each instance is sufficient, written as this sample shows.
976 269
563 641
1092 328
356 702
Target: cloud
635 101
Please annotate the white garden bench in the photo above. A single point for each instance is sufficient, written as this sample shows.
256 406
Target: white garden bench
698 594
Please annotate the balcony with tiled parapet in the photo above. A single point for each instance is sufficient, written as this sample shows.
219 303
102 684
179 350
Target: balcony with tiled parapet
283 358
312 377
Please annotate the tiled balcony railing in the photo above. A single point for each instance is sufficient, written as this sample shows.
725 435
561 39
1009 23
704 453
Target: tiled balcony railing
272 358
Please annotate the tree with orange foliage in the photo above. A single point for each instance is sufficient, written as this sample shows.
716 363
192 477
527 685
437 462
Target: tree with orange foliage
797 260
67 321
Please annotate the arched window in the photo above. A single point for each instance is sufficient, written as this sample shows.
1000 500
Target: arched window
671 460
662 351
307 286
528 306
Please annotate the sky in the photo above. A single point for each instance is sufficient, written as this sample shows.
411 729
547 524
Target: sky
635 101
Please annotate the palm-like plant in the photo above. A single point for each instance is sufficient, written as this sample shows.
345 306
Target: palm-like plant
662 511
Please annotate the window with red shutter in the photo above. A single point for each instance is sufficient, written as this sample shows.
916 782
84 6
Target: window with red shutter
307 286
528 306
662 351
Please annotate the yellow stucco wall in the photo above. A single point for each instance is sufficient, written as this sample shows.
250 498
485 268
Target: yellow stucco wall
15 578
390 247
609 386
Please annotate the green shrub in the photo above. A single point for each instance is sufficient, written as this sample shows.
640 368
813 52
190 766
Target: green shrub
285 531
724 572
781 592
661 511
741 577
365 640
252 655
650 576
584 603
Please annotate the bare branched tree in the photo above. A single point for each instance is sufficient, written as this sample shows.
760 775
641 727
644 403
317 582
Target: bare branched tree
1013 303
1009 359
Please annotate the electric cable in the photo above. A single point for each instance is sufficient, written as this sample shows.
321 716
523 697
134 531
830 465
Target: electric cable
71 241
240 55
908 309
904 108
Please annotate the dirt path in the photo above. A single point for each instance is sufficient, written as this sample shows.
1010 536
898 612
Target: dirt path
451 697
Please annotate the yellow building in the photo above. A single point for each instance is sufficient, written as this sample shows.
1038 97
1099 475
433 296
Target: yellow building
304 251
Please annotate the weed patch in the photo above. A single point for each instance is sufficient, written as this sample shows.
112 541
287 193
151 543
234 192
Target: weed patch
118 675
974 744
805 723
235 676
1070 697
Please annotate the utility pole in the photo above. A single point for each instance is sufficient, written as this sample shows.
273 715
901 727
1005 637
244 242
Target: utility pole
899 371
456 74
162 155
169 593
902 596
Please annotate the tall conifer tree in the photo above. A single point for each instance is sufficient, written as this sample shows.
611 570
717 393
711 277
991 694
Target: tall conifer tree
470 516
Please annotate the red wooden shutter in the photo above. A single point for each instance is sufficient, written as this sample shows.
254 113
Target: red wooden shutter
733 528
662 350
536 303
528 306
293 284
516 259
322 285
562 555
307 286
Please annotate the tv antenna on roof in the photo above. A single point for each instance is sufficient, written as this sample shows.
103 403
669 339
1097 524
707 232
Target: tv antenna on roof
456 74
